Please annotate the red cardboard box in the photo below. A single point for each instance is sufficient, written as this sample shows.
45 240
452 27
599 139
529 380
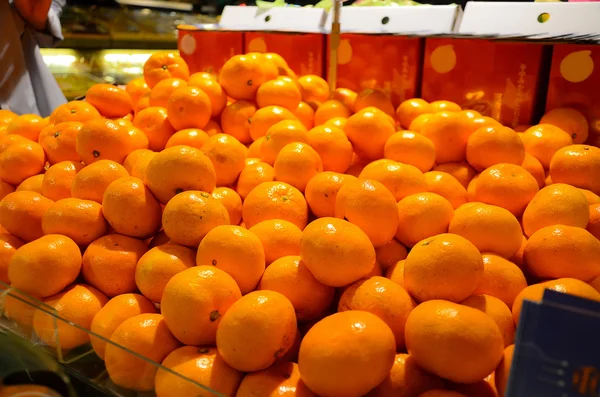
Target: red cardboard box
498 79
302 51
575 81
207 50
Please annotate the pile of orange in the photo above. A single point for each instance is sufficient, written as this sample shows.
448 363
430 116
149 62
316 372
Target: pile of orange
262 236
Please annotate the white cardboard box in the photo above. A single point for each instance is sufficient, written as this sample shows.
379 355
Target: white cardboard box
277 19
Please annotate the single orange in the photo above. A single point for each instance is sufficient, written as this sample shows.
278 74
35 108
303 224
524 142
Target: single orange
577 165
136 88
501 279
265 118
410 109
535 168
160 94
402 180
492 145
91 181
421 216
58 141
449 132
57 181
570 120
241 76
103 139
410 148
189 107
461 170
109 100
236 119
275 200
279 238
369 131
296 164
333 147
447 186
227 155
80 111
279 92
215 93
331 109
315 90
232 203
279 135
321 192
346 96
448 106
543 140
253 175
498 311
21 214
164 65
81 220
154 123
21 161
27 125
305 114
417 124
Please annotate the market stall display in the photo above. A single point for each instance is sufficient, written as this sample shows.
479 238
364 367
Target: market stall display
250 232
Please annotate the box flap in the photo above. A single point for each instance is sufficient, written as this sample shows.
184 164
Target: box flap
279 19
423 19
531 19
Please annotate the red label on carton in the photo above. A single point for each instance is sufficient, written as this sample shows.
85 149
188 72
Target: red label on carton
302 51
497 79
208 50
389 63
575 81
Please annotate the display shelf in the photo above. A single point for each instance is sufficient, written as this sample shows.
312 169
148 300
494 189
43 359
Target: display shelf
80 362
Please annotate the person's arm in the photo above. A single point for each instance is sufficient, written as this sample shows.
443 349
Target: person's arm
35 12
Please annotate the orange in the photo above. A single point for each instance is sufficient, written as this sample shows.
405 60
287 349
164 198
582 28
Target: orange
406 379
305 114
8 140
253 175
369 131
28 126
275 200
517 259
212 128
109 263
279 92
446 266
453 341
371 206
281 379
199 77
410 109
130 208
32 184
315 90
421 216
594 223
155 125
227 155
91 181
447 186
103 139
296 164
410 148
383 298
577 165
81 220
160 94
53 258
256 330
346 96
374 98
109 100
20 161
163 65
561 251
488 227
137 161
535 168
80 111
558 204
390 254
343 371
236 119
417 124
136 88
333 147
8 246
449 132
57 181
498 311
331 109
241 76
20 309
157 266
190 215
489 146
279 238
139 140
535 292
200 364
214 92
338 122
236 251
115 312
290 277
439 106
501 279
321 192
506 185
279 135
543 140
207 292
189 137
265 118
591 197
503 370
402 180
147 335
570 120
189 107
58 141
336 252
142 103
177 169
78 304
21 214
6 116
232 203
461 170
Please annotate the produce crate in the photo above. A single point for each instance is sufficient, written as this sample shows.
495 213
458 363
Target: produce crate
80 362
